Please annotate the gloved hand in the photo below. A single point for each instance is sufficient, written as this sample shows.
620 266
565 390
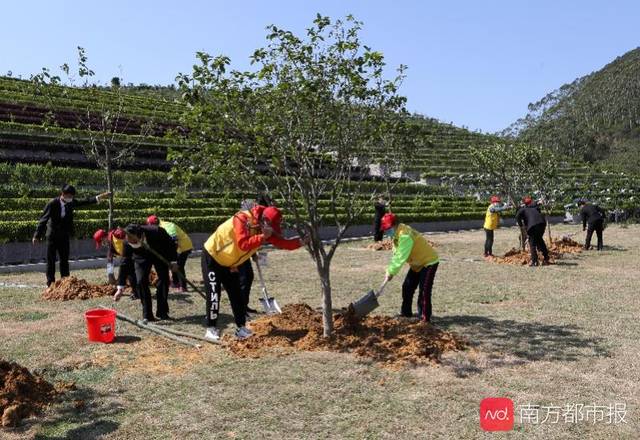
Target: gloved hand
119 293
102 196
267 231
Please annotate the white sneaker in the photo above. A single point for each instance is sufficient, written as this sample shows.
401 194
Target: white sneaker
243 333
212 334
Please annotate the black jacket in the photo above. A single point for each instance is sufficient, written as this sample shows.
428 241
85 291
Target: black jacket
52 224
591 214
530 216
157 239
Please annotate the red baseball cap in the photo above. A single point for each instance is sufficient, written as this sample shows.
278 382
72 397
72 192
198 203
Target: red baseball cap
153 220
119 233
495 199
98 236
388 220
274 216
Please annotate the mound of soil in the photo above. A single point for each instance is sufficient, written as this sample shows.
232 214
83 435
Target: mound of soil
22 394
387 245
557 249
384 245
69 288
393 342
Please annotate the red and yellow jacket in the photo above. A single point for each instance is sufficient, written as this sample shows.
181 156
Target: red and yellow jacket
238 238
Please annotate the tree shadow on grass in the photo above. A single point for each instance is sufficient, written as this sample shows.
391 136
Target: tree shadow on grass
89 414
508 342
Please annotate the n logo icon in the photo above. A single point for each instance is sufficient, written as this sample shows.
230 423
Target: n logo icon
496 414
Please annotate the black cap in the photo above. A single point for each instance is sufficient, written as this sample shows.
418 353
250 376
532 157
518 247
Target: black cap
68 189
134 229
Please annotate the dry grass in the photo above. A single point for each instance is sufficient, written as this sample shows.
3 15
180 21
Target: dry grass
550 335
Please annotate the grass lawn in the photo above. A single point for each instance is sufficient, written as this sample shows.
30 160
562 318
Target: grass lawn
559 335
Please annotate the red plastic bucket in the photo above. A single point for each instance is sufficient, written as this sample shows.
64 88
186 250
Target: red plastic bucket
101 325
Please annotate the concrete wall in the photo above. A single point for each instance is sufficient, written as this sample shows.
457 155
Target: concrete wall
23 256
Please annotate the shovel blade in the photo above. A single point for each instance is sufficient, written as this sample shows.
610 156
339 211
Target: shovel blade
365 305
270 306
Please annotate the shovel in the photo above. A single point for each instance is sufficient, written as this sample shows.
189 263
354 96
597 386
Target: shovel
164 260
368 302
269 304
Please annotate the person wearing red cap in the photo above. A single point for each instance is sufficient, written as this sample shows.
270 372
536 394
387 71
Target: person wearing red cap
229 247
410 246
530 217
491 223
184 246
115 242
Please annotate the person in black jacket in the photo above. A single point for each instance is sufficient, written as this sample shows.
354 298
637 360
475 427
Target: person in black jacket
530 216
592 216
381 209
56 226
148 246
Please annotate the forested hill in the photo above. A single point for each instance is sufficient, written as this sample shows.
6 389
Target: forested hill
596 117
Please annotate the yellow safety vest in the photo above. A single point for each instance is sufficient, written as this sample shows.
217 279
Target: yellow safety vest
491 219
183 240
222 245
422 254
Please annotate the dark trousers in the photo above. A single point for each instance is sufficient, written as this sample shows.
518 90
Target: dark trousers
142 269
246 280
57 245
488 242
378 234
536 242
176 279
215 276
424 281
598 227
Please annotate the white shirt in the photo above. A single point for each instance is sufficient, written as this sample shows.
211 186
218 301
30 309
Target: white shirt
63 211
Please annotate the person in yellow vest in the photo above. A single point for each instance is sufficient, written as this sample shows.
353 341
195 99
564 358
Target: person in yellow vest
229 247
115 242
184 248
411 247
491 223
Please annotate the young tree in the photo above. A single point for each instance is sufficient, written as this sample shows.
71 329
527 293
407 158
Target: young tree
304 125
100 118
514 170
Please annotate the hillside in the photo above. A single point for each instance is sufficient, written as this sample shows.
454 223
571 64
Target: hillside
596 117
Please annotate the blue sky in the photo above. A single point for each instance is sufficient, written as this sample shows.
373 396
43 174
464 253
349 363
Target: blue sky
474 63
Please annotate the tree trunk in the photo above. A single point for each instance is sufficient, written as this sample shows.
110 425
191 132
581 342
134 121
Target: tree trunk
109 172
327 305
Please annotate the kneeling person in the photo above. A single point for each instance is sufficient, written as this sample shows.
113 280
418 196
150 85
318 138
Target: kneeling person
228 248
411 247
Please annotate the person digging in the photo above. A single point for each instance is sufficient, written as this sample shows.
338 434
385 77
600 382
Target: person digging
149 246
533 220
491 223
56 226
411 247
115 242
184 246
592 220
229 247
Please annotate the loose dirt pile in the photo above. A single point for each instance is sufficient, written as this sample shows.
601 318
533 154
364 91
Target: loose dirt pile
387 245
557 250
393 342
23 394
384 245
69 288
